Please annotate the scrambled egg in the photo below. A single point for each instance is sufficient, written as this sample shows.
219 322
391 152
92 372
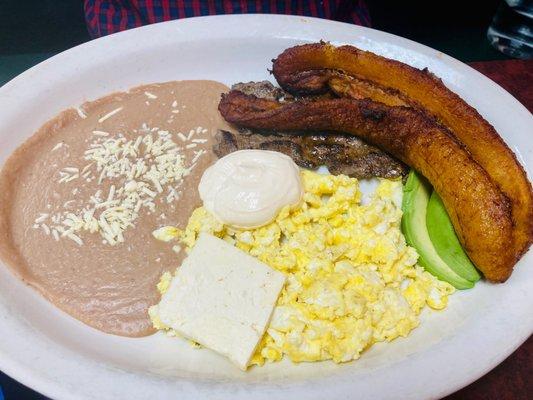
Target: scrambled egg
352 280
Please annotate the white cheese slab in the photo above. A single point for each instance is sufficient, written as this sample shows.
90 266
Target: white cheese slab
222 298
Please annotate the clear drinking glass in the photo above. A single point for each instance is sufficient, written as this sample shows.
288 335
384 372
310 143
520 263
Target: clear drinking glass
511 30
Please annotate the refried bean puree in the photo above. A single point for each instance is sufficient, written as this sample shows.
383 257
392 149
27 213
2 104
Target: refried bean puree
107 287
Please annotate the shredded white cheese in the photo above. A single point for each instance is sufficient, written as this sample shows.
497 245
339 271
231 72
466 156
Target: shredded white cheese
142 169
46 229
81 113
57 146
68 174
110 114
147 167
197 155
41 218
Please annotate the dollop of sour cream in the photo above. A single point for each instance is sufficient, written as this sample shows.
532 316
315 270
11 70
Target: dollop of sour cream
248 188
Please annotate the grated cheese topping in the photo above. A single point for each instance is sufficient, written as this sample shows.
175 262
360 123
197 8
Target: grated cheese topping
110 114
81 113
141 170
57 146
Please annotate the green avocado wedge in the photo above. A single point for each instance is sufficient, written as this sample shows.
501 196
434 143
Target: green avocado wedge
416 194
445 240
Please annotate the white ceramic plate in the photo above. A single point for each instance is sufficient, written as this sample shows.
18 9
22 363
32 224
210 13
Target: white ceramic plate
64 359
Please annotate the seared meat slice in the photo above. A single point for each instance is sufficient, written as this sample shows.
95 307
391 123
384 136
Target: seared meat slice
342 154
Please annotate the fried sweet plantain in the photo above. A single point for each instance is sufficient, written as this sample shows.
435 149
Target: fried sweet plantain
479 211
316 68
347 86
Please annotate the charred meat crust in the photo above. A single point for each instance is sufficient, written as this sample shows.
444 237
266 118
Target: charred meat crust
315 68
479 211
262 89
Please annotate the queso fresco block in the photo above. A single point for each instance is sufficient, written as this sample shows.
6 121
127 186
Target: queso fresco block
222 298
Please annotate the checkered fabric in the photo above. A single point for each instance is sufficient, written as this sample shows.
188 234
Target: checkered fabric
109 16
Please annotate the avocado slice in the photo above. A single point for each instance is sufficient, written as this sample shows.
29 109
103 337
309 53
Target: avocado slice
416 196
445 240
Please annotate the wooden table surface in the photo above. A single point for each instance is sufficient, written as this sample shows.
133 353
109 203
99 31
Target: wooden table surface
512 379
515 76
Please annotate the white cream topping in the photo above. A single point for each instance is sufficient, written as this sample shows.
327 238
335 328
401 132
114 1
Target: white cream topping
248 188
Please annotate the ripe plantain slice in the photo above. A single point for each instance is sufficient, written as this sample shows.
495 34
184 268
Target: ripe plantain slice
479 211
316 68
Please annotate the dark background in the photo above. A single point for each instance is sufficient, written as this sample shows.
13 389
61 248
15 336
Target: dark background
33 30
